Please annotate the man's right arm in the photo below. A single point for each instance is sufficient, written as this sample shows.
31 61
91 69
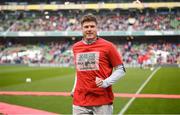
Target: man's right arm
72 91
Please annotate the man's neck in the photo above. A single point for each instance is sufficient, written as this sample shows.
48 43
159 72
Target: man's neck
89 41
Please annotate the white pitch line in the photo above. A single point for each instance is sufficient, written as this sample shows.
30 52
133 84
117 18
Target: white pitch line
138 91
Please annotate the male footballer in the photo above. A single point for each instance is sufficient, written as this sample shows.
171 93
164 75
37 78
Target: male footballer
95 59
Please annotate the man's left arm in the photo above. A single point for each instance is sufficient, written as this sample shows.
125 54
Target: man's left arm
114 77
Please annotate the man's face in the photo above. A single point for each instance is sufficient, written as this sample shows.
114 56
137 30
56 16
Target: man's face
89 30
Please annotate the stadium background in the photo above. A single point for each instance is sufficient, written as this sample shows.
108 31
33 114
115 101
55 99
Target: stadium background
35 51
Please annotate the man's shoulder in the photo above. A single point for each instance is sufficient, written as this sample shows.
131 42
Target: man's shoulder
77 44
102 40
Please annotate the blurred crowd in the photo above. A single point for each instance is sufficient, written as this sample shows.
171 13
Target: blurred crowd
150 54
68 20
115 20
49 53
141 54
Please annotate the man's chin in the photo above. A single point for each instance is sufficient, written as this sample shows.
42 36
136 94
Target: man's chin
90 38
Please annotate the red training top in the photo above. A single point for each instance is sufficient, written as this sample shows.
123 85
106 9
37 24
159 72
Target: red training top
94 60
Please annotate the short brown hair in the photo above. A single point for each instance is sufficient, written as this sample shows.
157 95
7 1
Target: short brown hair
88 18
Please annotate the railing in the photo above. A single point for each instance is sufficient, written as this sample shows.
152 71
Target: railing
78 33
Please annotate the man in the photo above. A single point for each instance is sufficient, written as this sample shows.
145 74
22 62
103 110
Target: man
95 59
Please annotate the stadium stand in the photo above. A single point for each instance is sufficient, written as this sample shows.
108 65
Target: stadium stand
45 36
112 21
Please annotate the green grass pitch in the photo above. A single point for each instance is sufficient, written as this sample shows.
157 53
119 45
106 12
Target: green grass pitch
54 79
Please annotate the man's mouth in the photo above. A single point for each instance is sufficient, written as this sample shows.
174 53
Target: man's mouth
89 33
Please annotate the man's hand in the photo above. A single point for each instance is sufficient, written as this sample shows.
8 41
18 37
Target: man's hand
99 82
72 94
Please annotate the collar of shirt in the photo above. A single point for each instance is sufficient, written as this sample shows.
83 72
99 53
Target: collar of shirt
89 41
